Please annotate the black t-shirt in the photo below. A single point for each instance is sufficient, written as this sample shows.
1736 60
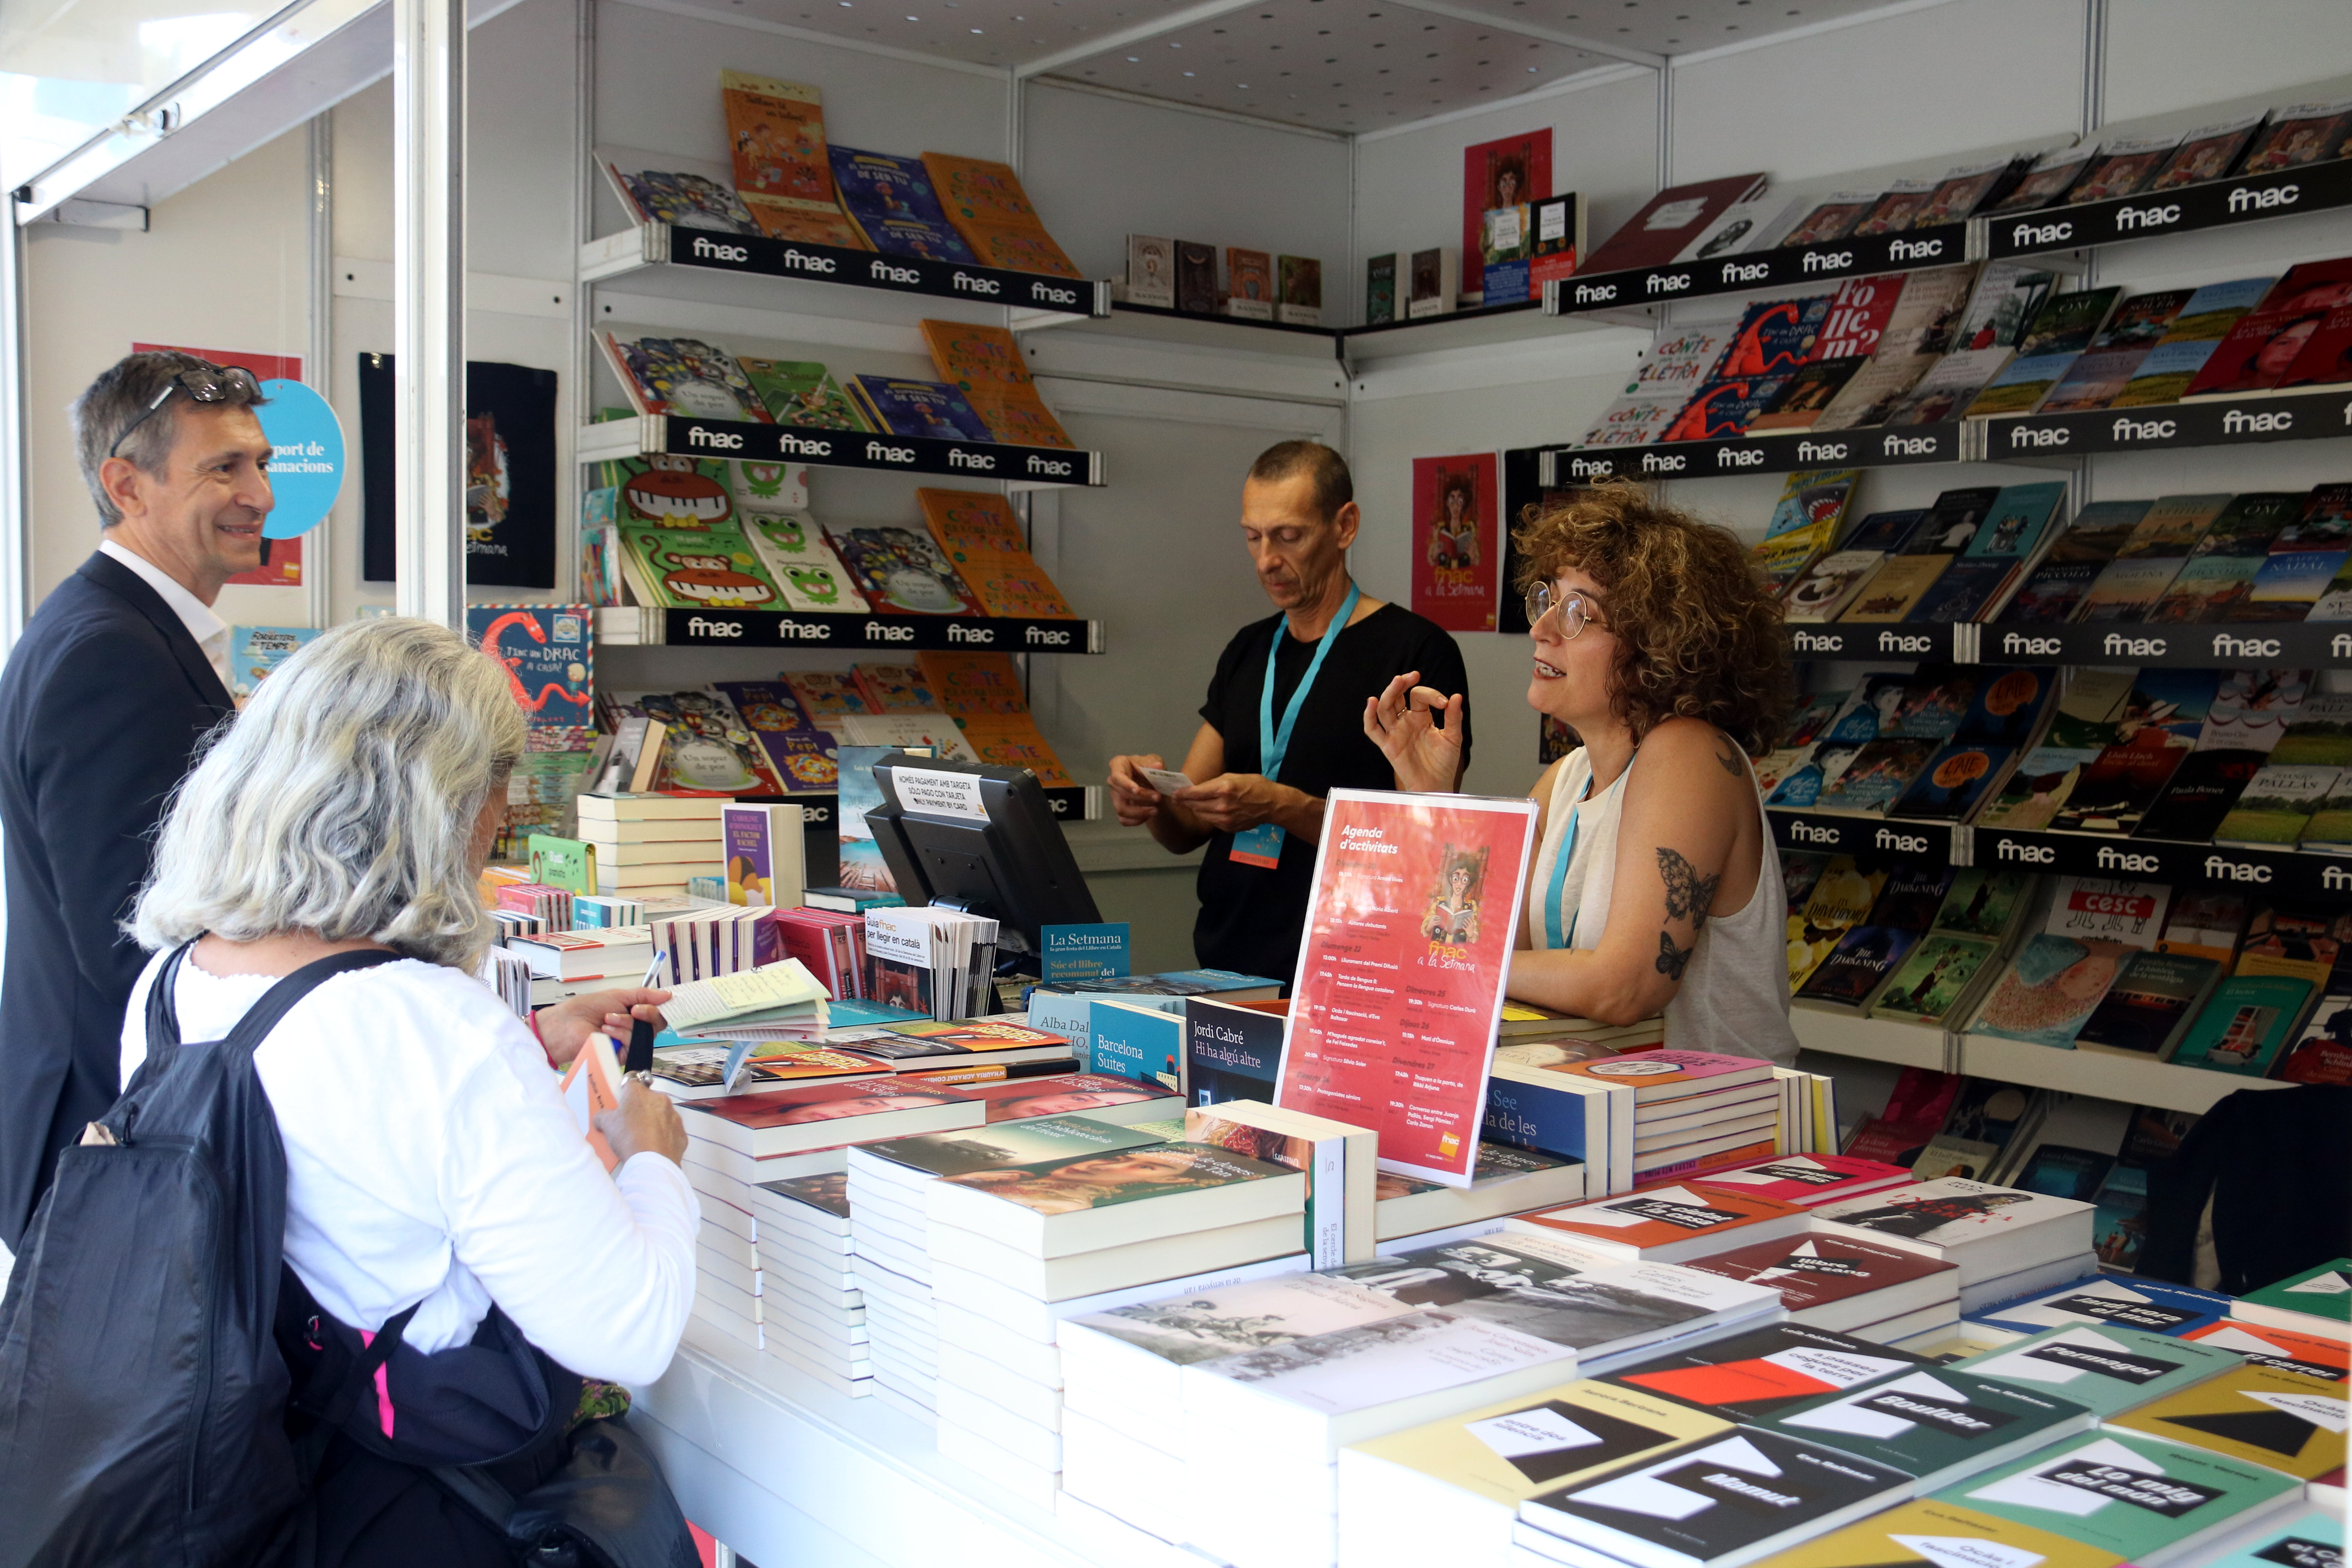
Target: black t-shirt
1251 917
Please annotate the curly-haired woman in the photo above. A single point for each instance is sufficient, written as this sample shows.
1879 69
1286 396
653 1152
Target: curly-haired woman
1654 887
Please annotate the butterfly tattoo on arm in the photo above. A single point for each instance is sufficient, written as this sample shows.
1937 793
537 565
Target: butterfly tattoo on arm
1689 897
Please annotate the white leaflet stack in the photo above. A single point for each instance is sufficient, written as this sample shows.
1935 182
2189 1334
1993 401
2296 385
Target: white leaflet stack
1112 1209
931 960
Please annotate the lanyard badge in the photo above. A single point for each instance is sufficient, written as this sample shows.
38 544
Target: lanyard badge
1262 845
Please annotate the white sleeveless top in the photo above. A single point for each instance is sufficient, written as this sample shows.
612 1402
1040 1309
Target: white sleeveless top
1733 997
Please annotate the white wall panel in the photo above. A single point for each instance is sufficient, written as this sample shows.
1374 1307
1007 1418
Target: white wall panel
1916 84
1100 168
2168 55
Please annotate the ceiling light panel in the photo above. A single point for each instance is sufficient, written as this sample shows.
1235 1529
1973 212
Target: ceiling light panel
980 32
1669 27
1333 65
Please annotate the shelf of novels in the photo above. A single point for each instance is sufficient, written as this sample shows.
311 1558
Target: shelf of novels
686 436
2118 190
638 625
1890 1040
2101 1075
664 260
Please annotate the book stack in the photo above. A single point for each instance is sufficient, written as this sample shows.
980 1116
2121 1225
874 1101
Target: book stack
648 845
812 1318
1670 1224
1408 1213
1692 1110
1271 1377
2318 1302
2006 1243
891 1227
1076 1225
614 953
1878 1293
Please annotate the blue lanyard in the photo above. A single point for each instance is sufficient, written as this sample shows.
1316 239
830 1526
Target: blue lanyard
1273 744
1558 887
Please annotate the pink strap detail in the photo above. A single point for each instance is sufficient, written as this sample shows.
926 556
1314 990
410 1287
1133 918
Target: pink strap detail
383 1389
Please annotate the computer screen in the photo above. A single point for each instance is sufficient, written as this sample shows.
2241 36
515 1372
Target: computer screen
980 839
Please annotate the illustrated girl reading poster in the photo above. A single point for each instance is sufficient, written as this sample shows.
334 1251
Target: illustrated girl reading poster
1455 504
1451 917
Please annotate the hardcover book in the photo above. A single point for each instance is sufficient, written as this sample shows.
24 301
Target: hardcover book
802 391
1151 271
775 133
899 570
926 408
1657 233
1196 279
684 376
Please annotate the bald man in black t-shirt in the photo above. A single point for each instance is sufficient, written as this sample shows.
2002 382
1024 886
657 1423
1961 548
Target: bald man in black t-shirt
1298 518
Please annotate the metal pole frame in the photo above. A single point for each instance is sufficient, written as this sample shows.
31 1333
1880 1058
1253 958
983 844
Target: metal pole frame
428 307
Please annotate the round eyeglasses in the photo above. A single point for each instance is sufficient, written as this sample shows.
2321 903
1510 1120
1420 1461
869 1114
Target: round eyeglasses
211 383
1575 610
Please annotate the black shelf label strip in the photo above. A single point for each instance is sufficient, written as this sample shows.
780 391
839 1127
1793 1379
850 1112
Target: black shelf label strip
2286 873
786 628
1838 835
1876 448
1875 641
2217 422
2215 204
1938 247
761 257
893 454
2294 644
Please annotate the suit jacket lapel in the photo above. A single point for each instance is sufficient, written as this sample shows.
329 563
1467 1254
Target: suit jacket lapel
112 575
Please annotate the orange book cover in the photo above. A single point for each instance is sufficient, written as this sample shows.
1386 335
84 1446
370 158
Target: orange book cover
1011 740
1018 249
971 685
806 223
1013 586
973 190
775 133
1659 1216
894 688
985 364
591 1085
2286 1348
967 522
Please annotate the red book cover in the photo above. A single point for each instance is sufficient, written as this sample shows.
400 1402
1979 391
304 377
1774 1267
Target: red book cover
1815 1270
793 1119
1499 174
1752 1375
2257 353
2326 358
1857 317
1674 217
1400 983
1809 1179
1671 1075
1457 544
1637 1225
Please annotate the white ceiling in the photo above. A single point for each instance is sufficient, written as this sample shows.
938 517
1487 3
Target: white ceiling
1344 65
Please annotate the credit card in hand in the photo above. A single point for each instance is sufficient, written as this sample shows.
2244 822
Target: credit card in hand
1165 780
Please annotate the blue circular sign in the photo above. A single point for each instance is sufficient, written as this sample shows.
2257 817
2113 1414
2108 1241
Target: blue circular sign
306 468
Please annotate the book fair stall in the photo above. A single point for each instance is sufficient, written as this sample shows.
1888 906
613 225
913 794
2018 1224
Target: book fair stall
834 417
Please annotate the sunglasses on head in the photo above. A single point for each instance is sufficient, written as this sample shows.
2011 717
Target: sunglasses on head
211 384
1575 611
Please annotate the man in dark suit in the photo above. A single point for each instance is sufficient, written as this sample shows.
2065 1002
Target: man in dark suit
118 677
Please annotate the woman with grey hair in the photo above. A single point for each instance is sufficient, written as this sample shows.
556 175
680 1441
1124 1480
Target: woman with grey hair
430 1161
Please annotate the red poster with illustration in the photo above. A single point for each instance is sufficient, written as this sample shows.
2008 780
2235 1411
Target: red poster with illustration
1457 543
1400 977
1505 173
284 567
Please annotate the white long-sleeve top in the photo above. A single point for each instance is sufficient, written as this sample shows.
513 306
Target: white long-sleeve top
429 1158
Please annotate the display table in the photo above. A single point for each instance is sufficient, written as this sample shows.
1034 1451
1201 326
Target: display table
785 1471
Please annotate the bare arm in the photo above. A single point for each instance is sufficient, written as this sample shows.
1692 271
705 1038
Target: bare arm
1690 843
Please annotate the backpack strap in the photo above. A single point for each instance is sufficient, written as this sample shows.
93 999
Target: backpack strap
163 1017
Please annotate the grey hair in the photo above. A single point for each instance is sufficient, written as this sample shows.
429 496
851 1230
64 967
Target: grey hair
114 402
342 801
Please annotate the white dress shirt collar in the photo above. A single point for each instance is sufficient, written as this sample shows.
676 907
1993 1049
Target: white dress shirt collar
210 632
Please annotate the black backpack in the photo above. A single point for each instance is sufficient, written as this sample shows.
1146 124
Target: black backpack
142 1393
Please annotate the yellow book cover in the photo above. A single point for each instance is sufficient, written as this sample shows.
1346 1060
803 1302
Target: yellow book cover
1899 585
974 685
973 190
2281 1420
1021 419
775 133
1017 249
1939 1535
1508 1452
1011 740
965 522
985 364
806 223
